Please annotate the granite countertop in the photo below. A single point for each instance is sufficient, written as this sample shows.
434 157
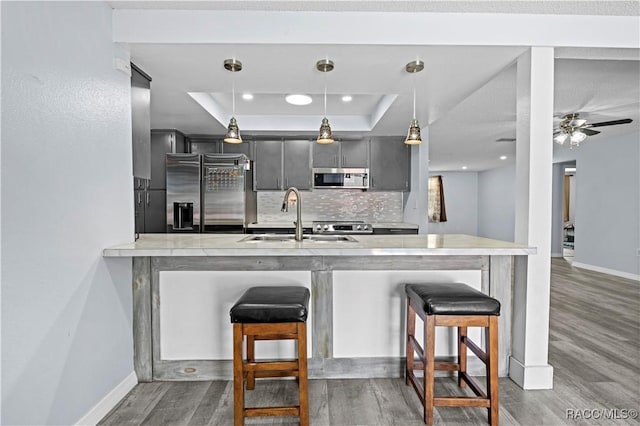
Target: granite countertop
366 245
280 225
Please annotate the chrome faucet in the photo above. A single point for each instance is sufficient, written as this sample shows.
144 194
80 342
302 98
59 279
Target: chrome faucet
285 208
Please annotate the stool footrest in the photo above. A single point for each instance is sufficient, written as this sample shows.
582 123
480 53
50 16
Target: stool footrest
461 401
473 385
272 411
271 366
266 374
475 349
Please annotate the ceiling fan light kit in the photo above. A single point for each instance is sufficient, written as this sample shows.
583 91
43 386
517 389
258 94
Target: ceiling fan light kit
576 130
413 135
233 132
324 135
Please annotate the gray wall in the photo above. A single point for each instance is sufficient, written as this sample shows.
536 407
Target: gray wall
66 194
461 200
607 221
496 203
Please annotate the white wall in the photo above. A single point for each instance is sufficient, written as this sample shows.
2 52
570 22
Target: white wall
66 194
461 201
496 203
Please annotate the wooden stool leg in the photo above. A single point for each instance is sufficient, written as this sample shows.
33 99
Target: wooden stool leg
462 355
251 357
429 368
411 331
238 377
492 369
303 388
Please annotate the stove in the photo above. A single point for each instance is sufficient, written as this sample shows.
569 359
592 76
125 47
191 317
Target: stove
341 227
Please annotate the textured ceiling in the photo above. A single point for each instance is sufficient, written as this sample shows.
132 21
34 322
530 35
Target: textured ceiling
466 94
613 8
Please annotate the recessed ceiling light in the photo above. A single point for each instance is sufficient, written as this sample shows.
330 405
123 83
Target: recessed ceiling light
503 157
347 98
247 96
464 167
298 99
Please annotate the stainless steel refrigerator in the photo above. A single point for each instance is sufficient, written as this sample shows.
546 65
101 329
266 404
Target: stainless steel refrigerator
209 193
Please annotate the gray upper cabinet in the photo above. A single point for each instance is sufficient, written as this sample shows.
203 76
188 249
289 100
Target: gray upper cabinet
326 155
141 122
163 142
267 170
390 168
341 154
239 148
197 144
281 164
297 164
354 153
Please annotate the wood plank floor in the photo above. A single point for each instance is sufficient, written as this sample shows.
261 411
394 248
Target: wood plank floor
594 348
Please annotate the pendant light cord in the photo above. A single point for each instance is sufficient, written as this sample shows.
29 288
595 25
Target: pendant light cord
414 96
233 96
325 94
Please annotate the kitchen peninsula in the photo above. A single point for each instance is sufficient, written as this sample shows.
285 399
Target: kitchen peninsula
184 284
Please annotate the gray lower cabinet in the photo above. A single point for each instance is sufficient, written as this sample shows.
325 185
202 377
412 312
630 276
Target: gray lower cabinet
163 142
281 164
390 168
347 153
155 218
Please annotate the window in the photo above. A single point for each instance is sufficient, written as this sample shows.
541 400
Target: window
437 211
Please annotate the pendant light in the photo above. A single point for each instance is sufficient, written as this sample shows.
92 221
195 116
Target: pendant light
413 136
233 133
324 136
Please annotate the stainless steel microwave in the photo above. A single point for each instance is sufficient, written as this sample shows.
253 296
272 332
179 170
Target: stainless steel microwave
341 178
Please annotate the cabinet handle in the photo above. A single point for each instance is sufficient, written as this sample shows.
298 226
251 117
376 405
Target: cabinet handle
139 198
277 183
148 198
335 160
344 160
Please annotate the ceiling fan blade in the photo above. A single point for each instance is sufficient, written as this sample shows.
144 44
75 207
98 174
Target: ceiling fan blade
588 131
611 123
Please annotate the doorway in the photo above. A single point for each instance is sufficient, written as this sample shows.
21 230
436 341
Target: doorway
569 212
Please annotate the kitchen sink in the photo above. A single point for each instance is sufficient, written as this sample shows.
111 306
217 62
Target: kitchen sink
256 238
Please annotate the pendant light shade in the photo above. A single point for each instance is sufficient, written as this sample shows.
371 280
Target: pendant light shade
324 136
233 132
413 135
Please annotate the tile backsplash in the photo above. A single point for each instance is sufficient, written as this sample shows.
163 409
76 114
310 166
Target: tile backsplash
333 204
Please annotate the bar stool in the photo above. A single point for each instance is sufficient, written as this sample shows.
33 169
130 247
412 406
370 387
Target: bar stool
270 313
452 305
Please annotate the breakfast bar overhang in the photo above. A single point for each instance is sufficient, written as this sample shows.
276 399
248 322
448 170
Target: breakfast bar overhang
153 254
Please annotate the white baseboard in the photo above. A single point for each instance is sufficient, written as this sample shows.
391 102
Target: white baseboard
530 377
557 255
109 401
626 275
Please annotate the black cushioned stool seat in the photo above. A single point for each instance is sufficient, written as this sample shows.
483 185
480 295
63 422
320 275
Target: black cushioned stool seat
452 305
272 304
452 299
270 313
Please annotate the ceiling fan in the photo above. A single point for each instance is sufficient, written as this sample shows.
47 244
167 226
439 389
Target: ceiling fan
576 130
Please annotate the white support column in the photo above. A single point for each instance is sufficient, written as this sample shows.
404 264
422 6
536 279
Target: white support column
529 366
416 201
